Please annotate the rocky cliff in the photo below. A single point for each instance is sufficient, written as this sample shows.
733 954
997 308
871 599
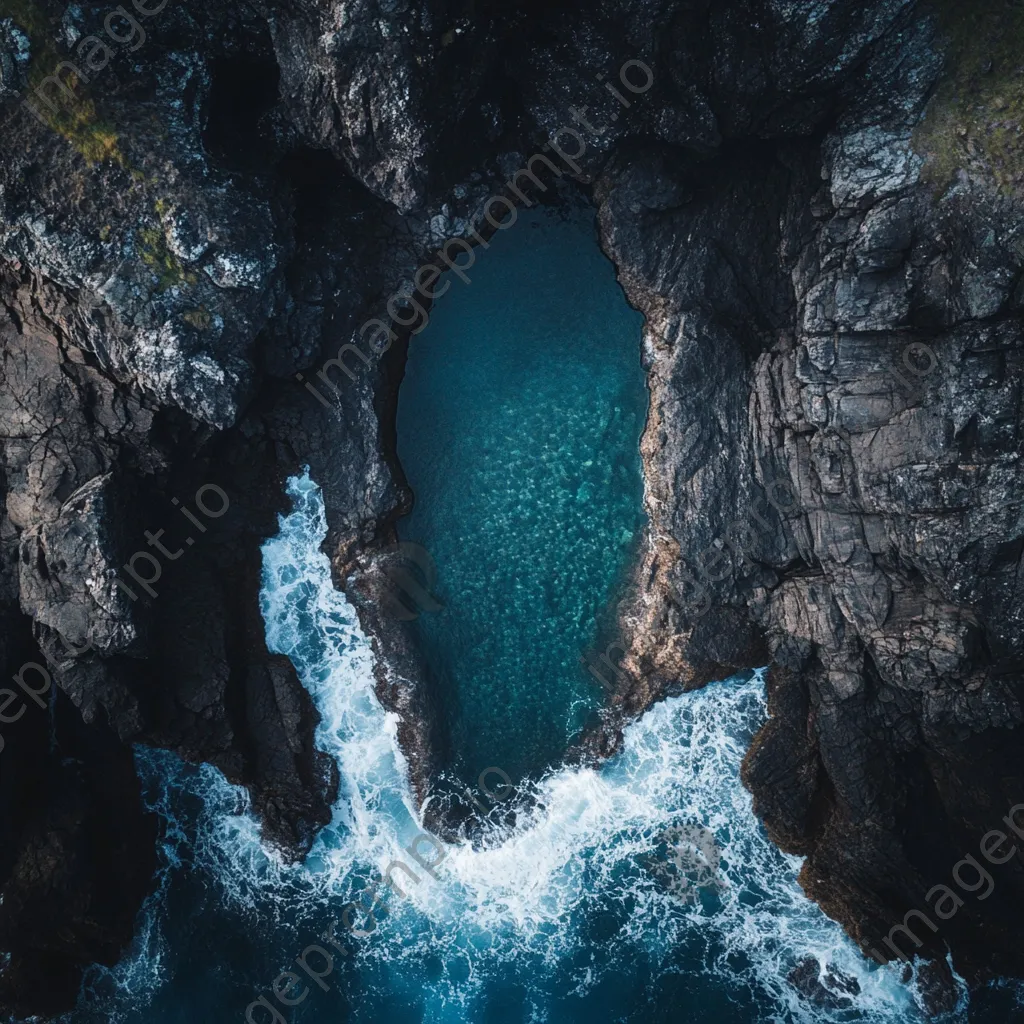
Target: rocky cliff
835 356
816 205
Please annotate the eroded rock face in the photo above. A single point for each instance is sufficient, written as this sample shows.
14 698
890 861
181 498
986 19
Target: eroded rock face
145 307
233 199
384 86
833 462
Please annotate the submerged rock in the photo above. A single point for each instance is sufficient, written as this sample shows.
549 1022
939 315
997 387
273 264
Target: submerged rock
830 990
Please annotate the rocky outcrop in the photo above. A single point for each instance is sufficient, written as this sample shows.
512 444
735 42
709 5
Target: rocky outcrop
193 230
833 459
153 303
198 210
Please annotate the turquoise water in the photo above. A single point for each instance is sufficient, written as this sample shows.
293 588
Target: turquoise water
519 423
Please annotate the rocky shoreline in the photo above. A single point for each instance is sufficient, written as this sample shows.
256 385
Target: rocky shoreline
794 203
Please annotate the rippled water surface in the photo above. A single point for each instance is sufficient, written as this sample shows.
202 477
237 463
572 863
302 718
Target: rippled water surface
519 424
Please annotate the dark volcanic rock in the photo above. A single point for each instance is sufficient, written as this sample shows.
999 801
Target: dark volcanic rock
833 347
833 461
79 855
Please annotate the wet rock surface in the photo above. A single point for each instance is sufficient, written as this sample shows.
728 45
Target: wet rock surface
829 989
833 347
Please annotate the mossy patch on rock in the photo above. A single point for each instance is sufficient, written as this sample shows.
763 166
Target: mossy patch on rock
975 118
90 136
75 120
155 254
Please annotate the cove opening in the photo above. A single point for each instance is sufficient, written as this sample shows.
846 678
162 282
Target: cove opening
518 424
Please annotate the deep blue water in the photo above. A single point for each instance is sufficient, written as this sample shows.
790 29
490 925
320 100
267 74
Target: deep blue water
592 909
519 423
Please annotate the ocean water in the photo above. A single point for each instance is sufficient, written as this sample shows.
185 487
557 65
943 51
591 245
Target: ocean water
578 913
639 892
519 423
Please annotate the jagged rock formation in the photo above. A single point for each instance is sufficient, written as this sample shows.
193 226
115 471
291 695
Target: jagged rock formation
853 495
219 206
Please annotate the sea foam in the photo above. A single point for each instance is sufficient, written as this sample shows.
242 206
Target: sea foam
515 903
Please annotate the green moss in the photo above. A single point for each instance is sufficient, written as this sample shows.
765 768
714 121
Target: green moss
976 116
77 121
167 268
87 133
96 140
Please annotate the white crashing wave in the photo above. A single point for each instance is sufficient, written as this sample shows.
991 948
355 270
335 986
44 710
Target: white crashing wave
592 842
